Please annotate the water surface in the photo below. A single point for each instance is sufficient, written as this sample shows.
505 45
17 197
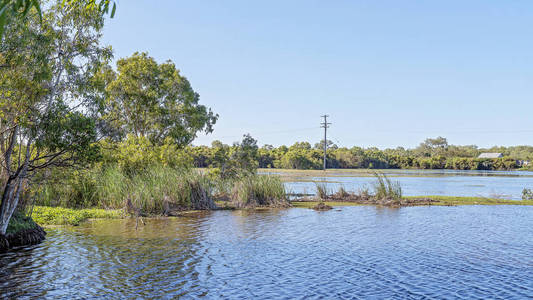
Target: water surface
469 252
492 184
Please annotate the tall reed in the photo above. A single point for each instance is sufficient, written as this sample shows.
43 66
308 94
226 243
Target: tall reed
259 190
384 188
322 191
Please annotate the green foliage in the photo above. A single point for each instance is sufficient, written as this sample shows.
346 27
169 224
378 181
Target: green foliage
154 101
44 215
49 102
135 154
432 154
20 222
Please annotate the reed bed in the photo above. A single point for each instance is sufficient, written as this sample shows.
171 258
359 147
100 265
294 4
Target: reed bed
259 190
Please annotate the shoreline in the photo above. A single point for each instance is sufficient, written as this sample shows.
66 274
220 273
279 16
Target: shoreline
59 216
24 237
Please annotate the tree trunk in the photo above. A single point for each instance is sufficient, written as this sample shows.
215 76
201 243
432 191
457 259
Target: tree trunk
7 207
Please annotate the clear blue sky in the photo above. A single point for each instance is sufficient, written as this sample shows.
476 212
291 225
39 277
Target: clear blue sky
389 73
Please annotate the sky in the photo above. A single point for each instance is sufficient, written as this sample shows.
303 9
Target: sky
388 73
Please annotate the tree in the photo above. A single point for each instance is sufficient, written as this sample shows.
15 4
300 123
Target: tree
48 96
330 144
17 10
436 146
153 100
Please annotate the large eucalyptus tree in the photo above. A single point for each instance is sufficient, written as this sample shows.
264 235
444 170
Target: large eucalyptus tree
49 96
154 101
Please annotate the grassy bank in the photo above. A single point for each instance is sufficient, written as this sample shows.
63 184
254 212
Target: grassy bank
435 200
44 215
72 197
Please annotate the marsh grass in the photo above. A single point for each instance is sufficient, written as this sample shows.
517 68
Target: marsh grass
259 190
153 191
384 188
322 191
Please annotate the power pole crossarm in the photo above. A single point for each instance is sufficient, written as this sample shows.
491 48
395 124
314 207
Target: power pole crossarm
325 125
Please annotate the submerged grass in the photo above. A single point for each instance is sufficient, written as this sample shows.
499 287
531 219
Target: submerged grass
44 215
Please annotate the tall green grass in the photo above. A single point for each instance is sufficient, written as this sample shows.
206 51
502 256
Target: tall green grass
384 188
153 191
259 190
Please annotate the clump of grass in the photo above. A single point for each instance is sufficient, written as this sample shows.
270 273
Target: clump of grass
322 191
384 188
527 194
259 190
342 193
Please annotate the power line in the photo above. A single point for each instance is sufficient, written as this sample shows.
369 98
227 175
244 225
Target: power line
325 125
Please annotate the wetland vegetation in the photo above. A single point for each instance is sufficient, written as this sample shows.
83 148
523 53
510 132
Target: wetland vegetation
81 138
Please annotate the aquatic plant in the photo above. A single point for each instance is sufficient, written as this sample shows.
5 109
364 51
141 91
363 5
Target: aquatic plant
44 215
259 190
384 188
155 190
321 190
527 194
342 193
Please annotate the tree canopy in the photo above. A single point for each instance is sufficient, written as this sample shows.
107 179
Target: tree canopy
155 101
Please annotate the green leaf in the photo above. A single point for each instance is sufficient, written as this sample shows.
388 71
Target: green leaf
113 10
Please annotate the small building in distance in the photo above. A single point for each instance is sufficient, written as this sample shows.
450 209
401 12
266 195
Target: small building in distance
490 155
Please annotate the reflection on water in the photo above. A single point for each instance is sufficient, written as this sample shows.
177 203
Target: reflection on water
493 184
361 252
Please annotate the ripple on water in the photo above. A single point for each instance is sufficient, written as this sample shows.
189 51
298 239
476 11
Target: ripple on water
469 252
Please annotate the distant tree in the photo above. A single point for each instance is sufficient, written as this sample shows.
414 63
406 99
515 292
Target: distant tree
436 146
242 159
300 145
320 145
153 100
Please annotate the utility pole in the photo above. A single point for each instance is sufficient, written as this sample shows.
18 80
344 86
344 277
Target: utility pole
325 125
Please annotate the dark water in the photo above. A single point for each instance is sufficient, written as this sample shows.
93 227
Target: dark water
492 184
469 252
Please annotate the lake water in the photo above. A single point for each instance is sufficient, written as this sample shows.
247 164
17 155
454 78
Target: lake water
493 184
469 252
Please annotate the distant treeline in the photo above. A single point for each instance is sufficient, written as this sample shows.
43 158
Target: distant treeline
431 154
